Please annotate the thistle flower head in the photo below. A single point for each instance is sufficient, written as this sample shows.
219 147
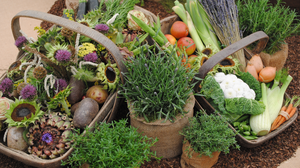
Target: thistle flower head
103 28
20 40
91 57
60 84
63 55
28 92
6 85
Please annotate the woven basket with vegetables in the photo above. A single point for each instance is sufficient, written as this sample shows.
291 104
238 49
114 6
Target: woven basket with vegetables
236 84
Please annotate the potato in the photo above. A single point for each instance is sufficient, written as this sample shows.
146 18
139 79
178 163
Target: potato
85 112
77 91
74 107
97 93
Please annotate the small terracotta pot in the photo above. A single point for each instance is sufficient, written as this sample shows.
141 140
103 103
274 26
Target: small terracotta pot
196 160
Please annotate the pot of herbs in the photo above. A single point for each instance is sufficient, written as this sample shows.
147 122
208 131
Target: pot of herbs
110 145
208 134
277 21
157 85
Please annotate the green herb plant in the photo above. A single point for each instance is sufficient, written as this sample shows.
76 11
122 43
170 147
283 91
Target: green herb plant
111 7
110 145
157 85
278 21
208 134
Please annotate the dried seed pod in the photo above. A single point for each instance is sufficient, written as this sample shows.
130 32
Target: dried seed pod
39 72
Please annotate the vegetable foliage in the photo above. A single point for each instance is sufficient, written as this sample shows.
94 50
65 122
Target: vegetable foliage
252 83
230 108
213 93
244 106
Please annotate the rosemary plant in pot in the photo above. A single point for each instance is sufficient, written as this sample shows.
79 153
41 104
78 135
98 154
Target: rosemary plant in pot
159 94
204 138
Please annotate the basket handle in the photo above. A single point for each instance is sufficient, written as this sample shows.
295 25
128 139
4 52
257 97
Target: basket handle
218 57
74 26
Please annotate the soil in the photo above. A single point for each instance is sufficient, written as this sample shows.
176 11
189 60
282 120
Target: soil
270 154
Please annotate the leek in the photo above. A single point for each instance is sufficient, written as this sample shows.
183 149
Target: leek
194 34
180 12
202 25
276 93
261 123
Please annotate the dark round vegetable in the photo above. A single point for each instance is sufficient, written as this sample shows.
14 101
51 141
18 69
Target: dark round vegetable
77 90
85 112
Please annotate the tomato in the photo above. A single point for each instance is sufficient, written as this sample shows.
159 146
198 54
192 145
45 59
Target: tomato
187 64
188 44
192 58
171 38
179 29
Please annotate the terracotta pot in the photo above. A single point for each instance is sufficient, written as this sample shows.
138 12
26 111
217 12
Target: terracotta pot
169 140
196 160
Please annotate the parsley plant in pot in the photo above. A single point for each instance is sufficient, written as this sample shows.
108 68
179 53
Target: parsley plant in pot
160 98
204 138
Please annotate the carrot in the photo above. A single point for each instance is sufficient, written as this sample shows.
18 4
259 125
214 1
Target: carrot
284 107
291 111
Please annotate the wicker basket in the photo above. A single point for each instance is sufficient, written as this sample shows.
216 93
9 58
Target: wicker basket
108 108
262 39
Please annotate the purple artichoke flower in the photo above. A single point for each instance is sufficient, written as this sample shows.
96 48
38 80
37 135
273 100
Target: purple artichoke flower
92 57
63 55
6 85
47 137
60 84
103 28
20 40
28 92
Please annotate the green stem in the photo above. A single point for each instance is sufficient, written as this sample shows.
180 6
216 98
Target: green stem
65 106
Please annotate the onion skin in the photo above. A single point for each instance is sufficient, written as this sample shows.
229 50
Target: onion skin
257 62
267 74
251 69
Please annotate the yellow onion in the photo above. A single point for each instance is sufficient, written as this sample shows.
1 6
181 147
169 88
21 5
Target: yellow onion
267 74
